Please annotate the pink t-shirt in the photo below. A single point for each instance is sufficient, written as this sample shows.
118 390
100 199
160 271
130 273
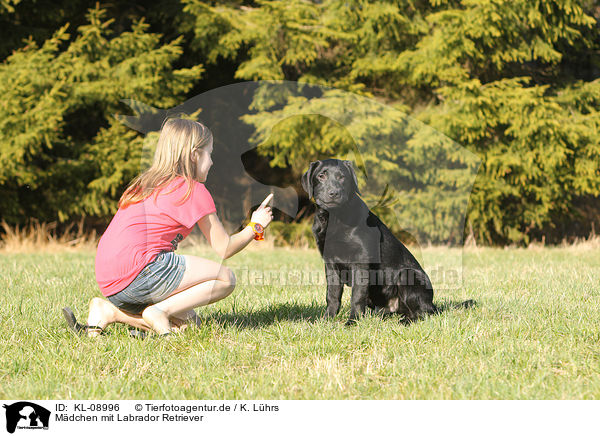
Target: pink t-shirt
140 231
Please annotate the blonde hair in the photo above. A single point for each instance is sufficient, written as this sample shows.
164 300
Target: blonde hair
179 139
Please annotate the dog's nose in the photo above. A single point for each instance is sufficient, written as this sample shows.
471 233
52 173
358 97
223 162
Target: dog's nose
333 194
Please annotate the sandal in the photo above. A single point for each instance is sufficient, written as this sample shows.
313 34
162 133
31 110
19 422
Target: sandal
76 327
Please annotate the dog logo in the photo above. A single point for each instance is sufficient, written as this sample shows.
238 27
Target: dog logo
26 415
221 110
415 178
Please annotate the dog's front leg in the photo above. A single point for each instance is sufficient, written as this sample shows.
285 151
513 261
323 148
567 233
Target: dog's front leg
360 294
335 287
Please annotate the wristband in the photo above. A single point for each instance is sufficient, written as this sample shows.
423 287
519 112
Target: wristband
259 231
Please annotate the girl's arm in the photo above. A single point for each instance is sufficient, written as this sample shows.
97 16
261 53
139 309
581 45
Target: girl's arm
225 245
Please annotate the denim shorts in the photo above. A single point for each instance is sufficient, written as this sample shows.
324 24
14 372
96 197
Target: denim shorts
154 283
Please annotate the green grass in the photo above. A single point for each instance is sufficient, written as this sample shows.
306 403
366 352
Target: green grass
535 334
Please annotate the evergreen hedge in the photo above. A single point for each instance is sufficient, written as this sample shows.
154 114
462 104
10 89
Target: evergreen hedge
513 82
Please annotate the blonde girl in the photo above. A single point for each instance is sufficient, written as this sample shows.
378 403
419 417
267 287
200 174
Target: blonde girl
145 283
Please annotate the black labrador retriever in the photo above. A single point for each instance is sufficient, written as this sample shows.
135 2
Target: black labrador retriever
360 251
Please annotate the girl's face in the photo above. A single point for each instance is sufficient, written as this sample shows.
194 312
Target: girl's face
203 160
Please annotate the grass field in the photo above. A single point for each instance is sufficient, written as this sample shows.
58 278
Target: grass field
534 334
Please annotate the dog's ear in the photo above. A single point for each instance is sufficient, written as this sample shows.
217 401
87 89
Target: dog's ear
307 183
348 164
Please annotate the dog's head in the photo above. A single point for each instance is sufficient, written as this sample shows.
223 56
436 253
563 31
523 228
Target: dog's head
330 182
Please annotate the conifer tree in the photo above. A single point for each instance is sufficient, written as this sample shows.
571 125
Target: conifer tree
62 153
511 81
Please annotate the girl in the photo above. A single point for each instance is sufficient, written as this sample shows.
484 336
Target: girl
147 285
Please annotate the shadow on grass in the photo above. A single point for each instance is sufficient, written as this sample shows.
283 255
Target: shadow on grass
267 315
303 312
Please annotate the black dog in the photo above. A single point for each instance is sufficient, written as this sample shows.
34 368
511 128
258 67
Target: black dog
360 251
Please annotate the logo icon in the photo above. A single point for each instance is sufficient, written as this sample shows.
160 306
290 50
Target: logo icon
26 415
416 179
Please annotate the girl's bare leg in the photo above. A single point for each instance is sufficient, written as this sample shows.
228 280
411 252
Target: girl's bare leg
181 321
103 313
203 282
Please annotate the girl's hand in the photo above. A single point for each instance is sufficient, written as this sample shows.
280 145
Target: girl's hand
263 215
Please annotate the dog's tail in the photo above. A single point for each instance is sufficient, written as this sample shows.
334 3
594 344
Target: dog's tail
467 304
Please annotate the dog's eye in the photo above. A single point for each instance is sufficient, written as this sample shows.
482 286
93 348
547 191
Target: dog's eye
321 176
